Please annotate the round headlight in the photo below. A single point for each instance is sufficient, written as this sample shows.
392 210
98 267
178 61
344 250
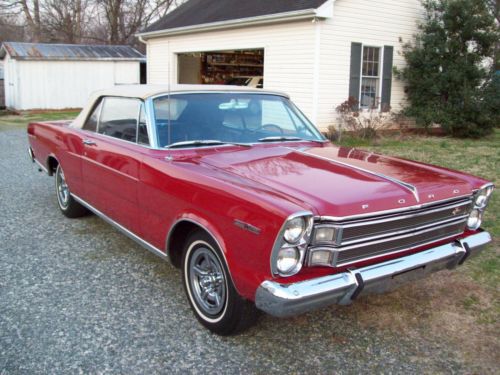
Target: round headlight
294 230
474 220
288 259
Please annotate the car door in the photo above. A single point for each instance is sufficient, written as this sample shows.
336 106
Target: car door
112 157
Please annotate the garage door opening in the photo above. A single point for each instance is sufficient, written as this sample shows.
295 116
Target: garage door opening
235 67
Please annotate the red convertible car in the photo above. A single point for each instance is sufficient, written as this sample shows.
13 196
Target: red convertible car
237 188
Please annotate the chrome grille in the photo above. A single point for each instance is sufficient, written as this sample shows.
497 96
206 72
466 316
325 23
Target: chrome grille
381 227
398 243
371 237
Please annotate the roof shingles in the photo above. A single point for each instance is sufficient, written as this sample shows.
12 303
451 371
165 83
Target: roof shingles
199 12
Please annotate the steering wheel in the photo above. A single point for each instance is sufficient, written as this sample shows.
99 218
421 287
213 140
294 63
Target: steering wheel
271 127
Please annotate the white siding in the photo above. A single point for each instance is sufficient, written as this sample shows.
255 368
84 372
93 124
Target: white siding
288 55
308 60
127 72
10 82
374 23
64 84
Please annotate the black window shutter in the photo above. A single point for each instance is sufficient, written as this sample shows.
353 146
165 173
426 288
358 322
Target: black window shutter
387 78
355 75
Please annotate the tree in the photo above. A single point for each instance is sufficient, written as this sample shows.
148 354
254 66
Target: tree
66 21
31 12
85 21
124 18
449 65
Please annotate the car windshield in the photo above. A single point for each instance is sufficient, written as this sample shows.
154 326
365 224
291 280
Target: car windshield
193 119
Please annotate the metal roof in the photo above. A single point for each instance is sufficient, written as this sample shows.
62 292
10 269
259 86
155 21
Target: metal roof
44 51
199 12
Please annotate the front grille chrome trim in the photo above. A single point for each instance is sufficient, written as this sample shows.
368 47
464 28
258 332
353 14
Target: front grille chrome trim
338 250
341 219
413 230
409 216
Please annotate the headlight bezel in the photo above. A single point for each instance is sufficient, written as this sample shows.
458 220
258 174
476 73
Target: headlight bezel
478 219
300 245
486 192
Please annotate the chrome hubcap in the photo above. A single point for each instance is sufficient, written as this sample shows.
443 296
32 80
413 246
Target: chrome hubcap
62 188
207 281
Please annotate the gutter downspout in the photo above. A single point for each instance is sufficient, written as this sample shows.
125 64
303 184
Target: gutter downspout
316 68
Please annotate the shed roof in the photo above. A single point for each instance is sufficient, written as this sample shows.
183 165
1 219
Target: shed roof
44 51
200 12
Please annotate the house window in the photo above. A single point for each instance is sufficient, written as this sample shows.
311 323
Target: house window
370 77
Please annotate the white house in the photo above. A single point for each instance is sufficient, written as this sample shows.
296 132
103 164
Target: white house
2 91
57 76
319 51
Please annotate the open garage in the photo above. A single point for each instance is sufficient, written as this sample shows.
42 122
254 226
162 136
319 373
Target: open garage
235 67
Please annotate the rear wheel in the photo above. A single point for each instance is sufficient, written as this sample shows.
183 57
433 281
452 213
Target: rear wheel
211 293
68 205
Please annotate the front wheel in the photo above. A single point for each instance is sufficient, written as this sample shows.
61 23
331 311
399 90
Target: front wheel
211 293
68 205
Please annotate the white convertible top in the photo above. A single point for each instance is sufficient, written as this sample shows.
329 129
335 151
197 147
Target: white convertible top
147 91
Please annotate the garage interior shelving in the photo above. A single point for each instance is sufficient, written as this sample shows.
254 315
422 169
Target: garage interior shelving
217 67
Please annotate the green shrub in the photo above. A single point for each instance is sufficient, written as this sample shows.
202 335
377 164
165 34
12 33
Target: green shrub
446 73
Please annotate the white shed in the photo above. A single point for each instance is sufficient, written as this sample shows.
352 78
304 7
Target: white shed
57 76
319 51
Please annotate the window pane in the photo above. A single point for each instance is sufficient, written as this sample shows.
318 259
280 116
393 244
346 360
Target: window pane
91 123
276 117
228 117
369 92
142 133
119 118
371 61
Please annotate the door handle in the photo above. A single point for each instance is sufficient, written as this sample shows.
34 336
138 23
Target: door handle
88 142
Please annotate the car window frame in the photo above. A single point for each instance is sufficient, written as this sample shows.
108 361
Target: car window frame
152 118
143 105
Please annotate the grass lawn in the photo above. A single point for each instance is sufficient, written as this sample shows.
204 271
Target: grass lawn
8 120
459 308
477 157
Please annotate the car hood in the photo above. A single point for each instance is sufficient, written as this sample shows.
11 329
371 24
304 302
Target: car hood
340 182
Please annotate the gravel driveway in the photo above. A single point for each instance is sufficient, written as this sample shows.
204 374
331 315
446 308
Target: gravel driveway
77 296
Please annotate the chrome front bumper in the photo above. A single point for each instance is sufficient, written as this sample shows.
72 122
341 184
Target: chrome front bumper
284 300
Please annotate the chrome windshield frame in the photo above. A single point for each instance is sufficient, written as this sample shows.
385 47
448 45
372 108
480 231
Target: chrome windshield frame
150 113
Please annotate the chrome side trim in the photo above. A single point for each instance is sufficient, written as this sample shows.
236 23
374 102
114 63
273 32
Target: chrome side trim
31 155
283 300
246 226
121 228
43 167
387 212
403 184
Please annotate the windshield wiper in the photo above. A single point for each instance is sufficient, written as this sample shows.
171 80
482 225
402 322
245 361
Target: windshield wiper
204 142
284 139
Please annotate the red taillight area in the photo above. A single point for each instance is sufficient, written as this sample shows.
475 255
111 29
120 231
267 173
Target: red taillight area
31 129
